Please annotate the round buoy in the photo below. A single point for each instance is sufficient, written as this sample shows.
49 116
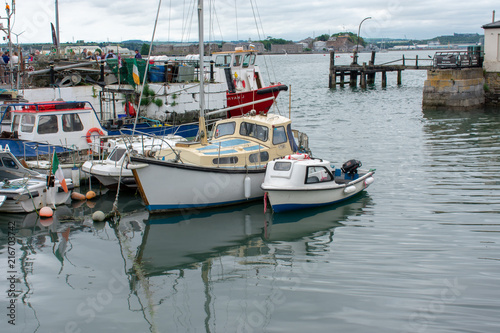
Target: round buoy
90 195
46 212
98 216
46 221
77 196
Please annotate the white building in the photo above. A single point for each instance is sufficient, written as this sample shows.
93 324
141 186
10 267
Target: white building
492 47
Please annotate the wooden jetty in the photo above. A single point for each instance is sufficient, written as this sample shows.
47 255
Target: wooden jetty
367 72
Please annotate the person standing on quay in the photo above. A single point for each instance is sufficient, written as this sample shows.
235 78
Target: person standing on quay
138 55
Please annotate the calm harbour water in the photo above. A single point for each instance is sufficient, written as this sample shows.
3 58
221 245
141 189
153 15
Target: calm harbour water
418 252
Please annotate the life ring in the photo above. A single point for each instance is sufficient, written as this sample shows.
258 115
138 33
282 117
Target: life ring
131 109
93 129
298 157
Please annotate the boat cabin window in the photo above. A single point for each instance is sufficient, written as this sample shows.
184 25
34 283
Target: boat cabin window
318 174
27 123
246 60
116 154
255 131
237 60
254 158
279 135
224 129
9 163
223 60
225 160
47 124
252 59
72 122
15 123
282 166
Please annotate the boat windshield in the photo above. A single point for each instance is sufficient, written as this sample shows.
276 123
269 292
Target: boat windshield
223 60
224 129
318 174
116 154
27 123
255 131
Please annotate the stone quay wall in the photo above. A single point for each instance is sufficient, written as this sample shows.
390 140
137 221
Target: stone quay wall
492 89
454 89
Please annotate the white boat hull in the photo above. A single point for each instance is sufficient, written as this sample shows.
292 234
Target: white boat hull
283 199
167 186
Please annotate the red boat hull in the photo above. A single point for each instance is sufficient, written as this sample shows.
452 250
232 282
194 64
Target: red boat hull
238 98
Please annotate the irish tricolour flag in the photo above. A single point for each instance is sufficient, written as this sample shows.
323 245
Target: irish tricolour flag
57 171
135 74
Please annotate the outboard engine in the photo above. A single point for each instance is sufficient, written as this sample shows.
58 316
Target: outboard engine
351 167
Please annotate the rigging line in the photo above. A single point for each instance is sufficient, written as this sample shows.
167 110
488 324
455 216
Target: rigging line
236 20
146 69
169 19
260 37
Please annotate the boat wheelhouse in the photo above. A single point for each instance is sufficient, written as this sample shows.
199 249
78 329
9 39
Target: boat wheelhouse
33 129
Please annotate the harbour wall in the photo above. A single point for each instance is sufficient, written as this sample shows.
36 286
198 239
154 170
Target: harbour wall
492 89
456 89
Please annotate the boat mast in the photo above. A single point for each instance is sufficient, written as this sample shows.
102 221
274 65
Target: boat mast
203 128
57 27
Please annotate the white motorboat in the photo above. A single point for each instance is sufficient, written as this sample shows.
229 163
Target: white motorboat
112 170
298 181
227 169
26 190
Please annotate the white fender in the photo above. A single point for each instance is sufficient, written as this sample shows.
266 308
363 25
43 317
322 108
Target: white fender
368 181
350 189
248 187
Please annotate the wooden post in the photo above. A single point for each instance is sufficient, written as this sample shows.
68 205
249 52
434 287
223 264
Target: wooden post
403 60
362 77
399 77
416 61
342 78
372 61
353 78
333 78
384 79
362 80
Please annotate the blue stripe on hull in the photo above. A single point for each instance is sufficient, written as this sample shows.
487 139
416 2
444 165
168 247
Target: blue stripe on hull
153 208
288 207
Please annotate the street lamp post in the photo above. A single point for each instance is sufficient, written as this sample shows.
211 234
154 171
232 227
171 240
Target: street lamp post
357 41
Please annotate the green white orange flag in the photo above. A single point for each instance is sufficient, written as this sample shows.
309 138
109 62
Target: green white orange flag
57 171
135 74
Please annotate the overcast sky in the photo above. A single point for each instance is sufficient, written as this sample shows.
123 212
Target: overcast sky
102 20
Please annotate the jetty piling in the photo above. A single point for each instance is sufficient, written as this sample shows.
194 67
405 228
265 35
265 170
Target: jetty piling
367 72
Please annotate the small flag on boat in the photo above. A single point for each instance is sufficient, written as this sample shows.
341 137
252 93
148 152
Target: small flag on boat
57 171
135 74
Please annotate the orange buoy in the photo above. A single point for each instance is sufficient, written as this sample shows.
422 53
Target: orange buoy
46 212
90 195
77 196
90 204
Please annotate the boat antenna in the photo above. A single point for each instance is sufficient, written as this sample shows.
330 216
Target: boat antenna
146 69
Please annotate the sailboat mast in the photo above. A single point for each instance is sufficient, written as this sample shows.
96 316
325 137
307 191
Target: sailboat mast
202 126
202 52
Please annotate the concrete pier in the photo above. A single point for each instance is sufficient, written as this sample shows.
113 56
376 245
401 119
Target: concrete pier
455 89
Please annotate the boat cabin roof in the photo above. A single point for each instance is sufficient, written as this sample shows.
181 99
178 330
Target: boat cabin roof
46 107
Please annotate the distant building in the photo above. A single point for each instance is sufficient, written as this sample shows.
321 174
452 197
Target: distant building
340 44
492 47
319 46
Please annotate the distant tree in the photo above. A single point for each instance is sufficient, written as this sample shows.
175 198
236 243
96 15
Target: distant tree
269 41
144 49
323 37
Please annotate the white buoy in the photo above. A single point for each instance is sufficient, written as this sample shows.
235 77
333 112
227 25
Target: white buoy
98 216
350 189
248 187
369 180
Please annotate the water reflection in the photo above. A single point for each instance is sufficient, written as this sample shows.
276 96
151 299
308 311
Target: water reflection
199 271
